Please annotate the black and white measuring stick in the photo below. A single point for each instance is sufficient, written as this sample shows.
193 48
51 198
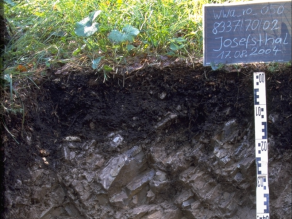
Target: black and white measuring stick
261 145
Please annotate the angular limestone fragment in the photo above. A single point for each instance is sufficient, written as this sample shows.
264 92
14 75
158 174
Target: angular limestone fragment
166 121
66 153
159 181
122 169
155 215
115 140
110 172
72 138
119 200
172 214
141 211
184 196
136 185
150 196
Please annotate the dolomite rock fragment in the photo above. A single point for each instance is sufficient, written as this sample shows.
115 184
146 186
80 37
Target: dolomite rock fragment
88 144
155 215
89 176
172 214
72 210
223 155
229 130
197 211
162 95
136 185
120 199
141 211
94 161
184 196
122 168
169 118
150 195
159 181
66 153
273 117
225 200
115 140
176 160
72 139
111 171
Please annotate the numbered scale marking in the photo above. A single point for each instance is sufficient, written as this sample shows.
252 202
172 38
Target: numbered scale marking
261 146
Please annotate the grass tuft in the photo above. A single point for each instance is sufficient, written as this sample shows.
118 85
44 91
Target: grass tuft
43 32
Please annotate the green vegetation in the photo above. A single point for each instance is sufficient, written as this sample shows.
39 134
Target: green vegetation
101 33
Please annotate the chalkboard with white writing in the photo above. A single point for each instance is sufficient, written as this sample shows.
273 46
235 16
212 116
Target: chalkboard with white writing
247 32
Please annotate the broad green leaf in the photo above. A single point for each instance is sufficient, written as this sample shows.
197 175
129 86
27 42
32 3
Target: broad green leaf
116 36
128 37
130 30
48 64
179 40
9 2
170 53
130 47
128 34
87 27
96 62
174 46
85 30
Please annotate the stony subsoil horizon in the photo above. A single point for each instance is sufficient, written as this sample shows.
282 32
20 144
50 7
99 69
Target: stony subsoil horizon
173 143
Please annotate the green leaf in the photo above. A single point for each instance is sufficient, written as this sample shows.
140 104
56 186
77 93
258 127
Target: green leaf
96 62
116 36
87 27
59 33
130 30
76 51
9 2
130 47
107 68
170 53
128 34
48 64
214 66
179 40
174 46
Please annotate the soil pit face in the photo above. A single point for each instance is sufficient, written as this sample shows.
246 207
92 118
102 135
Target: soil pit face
155 143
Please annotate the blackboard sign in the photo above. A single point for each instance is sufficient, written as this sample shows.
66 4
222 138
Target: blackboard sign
247 32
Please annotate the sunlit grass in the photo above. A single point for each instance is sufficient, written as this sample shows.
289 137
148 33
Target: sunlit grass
43 31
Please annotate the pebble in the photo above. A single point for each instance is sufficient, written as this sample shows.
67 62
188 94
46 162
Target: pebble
162 95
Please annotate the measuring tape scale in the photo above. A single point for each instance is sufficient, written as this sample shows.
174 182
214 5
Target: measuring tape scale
261 146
